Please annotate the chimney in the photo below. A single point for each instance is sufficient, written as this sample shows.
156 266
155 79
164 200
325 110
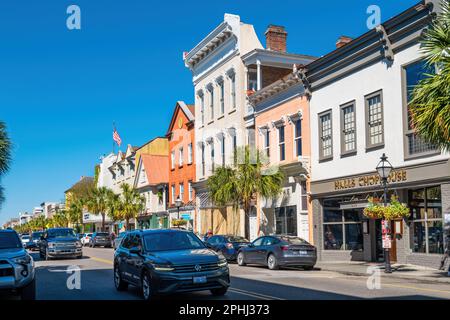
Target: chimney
343 40
276 38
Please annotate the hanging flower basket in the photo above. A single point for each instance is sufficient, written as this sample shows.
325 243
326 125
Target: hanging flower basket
179 222
394 211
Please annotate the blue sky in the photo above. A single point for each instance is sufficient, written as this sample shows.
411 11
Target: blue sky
60 90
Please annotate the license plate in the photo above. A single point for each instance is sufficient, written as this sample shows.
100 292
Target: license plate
199 280
302 252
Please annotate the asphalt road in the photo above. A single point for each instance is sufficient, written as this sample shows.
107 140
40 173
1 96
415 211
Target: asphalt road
247 283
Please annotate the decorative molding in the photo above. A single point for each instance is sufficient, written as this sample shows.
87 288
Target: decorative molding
292 117
387 45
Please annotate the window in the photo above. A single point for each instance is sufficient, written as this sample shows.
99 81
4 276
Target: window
172 159
173 194
326 138
348 126
180 157
281 143
304 196
426 215
374 116
202 109
266 142
212 157
233 90
203 159
298 137
211 102
222 149
189 153
235 147
286 220
252 79
191 191
222 97
413 74
342 229
181 195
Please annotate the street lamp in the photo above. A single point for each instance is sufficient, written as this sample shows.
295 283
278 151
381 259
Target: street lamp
384 169
178 204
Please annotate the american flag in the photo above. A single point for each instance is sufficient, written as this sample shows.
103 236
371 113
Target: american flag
116 138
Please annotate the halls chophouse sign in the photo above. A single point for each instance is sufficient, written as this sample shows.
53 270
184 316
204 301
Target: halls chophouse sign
369 180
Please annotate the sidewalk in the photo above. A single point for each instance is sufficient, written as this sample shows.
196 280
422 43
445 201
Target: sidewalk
399 271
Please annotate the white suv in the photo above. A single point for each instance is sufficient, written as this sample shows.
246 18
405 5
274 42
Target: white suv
86 239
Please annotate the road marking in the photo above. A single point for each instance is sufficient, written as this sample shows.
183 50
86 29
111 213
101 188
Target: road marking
102 260
254 294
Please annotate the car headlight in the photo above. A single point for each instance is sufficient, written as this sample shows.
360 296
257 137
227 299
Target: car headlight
51 244
78 244
163 267
222 263
26 259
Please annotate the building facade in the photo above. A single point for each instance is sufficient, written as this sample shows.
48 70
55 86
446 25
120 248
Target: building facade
359 110
283 137
181 135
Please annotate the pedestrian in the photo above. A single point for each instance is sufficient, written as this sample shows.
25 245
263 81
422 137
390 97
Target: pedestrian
208 235
446 255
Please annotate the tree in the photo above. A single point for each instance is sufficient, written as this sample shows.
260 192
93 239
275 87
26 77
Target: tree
240 184
75 211
60 220
430 103
5 154
114 206
97 203
131 203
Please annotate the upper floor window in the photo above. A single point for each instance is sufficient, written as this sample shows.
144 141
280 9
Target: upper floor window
233 90
298 137
211 102
181 195
235 147
191 191
222 149
252 79
222 97
172 159
325 136
212 157
203 159
189 153
281 143
180 157
348 126
266 142
173 194
202 108
413 74
374 116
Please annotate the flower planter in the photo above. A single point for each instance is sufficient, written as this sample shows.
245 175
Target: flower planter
393 211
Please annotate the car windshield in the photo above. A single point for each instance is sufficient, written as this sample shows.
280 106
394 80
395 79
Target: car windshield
61 233
36 235
9 240
166 241
236 239
293 240
102 234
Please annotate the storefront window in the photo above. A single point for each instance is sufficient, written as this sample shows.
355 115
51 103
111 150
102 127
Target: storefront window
286 220
426 214
342 228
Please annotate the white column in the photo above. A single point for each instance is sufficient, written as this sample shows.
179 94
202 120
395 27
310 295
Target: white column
258 75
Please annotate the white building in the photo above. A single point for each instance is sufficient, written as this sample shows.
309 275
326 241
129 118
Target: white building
25 217
359 104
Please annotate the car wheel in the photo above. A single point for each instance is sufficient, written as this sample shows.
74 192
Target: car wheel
29 292
308 267
80 256
241 259
147 290
118 282
219 292
272 262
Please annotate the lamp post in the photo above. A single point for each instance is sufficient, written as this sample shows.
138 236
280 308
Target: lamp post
384 169
178 204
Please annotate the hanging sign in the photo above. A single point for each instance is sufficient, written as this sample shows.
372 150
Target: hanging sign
386 234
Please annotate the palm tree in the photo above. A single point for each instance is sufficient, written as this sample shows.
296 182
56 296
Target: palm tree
5 154
114 206
59 220
75 211
40 223
240 184
430 104
97 203
131 203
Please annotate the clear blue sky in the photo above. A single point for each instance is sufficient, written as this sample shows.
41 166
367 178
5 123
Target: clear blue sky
60 90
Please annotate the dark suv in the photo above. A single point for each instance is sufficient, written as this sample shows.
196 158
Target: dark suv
60 242
16 266
169 261
100 239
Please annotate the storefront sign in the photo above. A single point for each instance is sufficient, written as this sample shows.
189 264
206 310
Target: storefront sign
186 216
369 180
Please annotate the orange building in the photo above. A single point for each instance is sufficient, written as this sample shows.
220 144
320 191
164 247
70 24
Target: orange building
182 164
283 135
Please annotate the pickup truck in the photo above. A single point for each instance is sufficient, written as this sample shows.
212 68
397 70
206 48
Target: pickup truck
60 242
17 273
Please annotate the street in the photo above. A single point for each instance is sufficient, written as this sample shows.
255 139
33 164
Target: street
247 283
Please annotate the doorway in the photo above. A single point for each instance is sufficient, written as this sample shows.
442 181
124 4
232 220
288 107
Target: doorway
378 239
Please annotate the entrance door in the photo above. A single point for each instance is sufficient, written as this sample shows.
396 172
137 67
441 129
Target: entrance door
393 250
379 251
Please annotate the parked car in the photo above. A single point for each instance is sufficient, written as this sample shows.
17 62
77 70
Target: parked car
279 251
102 239
16 266
118 239
86 238
168 261
60 242
228 245
25 238
35 239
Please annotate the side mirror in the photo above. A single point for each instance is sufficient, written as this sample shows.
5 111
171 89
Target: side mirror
135 250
